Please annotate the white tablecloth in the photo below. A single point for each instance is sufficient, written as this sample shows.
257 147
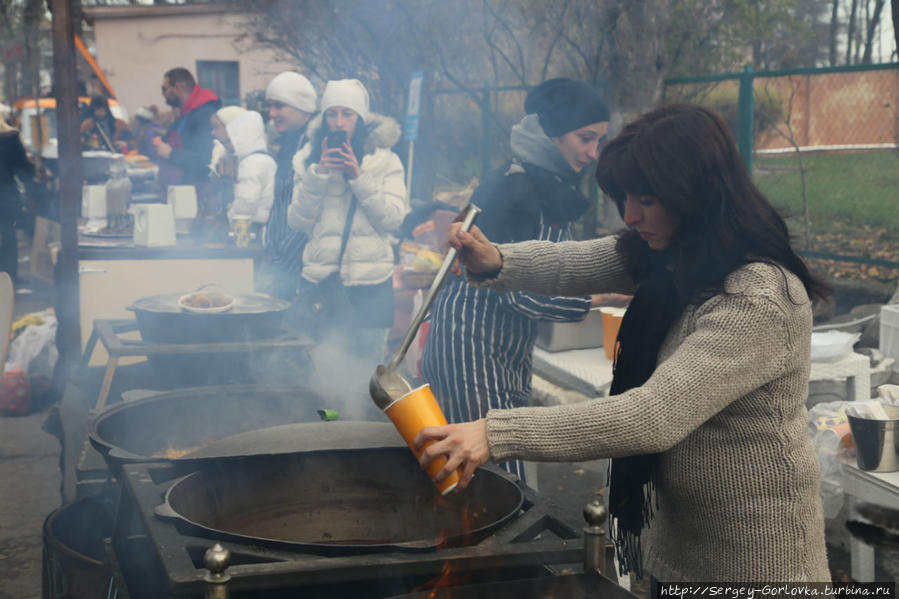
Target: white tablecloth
583 370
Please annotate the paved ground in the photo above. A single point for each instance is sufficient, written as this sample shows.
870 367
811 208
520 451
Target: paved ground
29 479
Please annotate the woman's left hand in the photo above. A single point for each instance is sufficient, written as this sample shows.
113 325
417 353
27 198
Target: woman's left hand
350 164
463 444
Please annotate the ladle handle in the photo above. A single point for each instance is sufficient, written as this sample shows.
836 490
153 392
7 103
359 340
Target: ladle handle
471 213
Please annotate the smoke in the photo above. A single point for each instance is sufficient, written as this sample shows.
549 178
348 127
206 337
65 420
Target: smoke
344 361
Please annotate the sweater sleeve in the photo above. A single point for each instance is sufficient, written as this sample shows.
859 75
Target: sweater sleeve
382 191
568 268
740 343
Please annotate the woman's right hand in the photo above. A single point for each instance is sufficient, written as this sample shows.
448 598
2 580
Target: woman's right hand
475 251
330 160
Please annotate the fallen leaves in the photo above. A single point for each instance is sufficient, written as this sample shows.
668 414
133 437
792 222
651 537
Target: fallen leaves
847 239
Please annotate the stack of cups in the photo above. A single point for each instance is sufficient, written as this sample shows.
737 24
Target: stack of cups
411 413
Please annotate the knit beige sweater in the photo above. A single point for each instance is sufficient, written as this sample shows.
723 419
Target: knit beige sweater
738 483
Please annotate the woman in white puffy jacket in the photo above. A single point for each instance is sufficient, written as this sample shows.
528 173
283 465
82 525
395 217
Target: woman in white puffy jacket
254 187
349 296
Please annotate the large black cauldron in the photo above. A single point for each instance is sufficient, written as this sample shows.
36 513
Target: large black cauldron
338 502
160 318
187 419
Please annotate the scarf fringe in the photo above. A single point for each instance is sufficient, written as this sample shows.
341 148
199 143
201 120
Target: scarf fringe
628 546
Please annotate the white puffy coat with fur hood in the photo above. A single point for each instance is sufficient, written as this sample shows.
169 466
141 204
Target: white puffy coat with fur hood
320 204
254 189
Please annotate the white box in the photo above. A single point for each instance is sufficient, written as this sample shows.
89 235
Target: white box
93 201
889 330
154 224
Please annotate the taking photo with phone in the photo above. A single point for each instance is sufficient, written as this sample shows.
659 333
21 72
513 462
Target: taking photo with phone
336 138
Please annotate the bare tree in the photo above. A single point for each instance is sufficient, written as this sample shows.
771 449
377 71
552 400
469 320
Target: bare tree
873 22
785 130
637 64
850 35
834 30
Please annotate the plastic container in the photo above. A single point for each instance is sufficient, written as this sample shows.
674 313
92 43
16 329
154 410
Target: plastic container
889 330
562 336
876 447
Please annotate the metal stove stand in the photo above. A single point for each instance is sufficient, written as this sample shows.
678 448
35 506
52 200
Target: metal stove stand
151 557
108 333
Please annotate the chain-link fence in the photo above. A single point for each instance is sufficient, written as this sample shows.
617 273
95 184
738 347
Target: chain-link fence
823 148
820 143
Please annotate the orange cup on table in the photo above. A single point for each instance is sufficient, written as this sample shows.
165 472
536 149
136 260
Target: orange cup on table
611 322
411 413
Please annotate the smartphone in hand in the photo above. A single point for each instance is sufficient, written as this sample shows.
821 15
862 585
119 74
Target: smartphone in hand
336 139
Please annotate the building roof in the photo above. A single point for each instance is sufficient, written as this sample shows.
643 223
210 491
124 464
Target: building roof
102 13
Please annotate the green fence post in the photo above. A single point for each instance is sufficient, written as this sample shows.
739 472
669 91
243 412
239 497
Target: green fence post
486 122
745 110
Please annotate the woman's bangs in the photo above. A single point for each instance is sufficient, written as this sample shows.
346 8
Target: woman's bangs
619 174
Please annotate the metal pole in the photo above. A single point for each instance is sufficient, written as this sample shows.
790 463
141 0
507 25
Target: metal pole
745 110
409 171
69 143
595 538
216 560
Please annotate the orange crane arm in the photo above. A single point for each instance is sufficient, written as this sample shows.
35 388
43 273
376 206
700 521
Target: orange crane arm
90 60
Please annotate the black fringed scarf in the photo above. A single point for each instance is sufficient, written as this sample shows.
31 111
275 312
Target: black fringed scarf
651 314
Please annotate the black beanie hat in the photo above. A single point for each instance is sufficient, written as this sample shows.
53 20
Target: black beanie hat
563 105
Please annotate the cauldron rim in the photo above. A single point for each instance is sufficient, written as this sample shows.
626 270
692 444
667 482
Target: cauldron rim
115 455
488 474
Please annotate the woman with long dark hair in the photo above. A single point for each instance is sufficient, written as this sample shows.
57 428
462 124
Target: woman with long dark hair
713 475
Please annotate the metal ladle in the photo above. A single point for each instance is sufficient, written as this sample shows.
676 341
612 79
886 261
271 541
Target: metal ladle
386 384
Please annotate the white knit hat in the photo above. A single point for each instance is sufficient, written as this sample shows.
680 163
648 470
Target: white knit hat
292 89
229 113
346 92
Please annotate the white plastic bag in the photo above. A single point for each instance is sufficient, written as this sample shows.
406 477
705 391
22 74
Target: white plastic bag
34 350
830 346
829 428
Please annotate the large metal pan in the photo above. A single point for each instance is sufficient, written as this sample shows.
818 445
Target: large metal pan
338 503
149 430
160 318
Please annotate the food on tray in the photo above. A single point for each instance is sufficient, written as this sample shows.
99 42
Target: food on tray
420 258
206 300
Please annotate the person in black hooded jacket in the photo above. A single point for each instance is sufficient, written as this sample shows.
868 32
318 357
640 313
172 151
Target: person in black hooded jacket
477 353
14 164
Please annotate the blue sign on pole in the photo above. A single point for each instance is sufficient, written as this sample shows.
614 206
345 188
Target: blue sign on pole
410 130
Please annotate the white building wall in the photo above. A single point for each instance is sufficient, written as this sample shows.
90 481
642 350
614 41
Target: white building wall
135 51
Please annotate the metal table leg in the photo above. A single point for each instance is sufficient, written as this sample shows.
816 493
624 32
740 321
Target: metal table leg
107 381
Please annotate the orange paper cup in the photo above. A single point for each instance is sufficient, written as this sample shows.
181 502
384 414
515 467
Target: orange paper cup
411 413
611 322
